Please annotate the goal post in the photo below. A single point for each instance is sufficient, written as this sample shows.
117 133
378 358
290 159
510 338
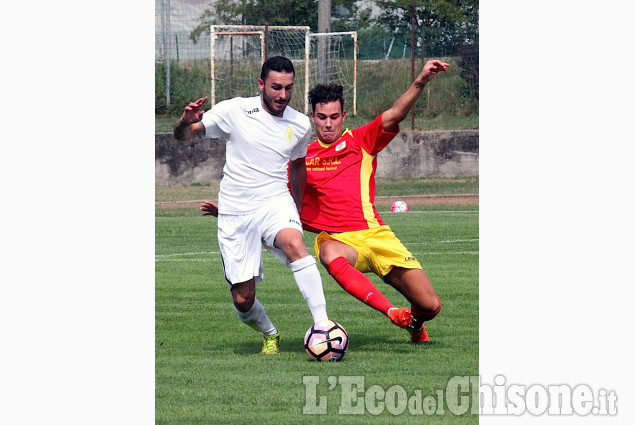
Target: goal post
243 40
238 52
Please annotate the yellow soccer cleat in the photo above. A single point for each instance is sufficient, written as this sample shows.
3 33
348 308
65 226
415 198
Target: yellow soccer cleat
271 344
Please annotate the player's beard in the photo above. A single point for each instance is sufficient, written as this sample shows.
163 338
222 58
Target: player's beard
273 107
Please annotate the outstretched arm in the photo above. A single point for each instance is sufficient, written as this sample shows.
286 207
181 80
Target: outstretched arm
189 125
393 116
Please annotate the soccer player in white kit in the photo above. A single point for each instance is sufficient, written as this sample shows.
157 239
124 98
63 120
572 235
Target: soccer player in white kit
265 137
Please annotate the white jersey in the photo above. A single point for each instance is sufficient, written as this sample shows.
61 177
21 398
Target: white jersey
259 147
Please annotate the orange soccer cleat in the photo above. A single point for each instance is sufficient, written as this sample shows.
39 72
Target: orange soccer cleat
420 335
401 317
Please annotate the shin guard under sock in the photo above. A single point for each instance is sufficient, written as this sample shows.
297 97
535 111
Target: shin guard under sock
307 277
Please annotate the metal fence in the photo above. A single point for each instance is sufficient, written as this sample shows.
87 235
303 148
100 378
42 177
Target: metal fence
183 69
181 47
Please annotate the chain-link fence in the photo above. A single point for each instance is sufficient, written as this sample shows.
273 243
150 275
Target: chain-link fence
183 67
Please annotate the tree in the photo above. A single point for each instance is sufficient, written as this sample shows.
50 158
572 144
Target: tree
278 12
441 26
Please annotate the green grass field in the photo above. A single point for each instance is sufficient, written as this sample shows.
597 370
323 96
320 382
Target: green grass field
209 369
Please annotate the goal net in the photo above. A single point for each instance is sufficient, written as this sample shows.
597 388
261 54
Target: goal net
238 52
333 59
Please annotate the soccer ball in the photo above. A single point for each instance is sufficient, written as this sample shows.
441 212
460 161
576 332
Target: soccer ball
326 340
399 206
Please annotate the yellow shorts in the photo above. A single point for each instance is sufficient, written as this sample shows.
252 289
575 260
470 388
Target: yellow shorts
378 249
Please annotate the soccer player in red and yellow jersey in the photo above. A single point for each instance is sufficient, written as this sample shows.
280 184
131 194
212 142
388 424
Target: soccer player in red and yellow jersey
338 204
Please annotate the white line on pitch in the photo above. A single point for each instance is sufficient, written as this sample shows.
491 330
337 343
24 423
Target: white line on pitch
186 253
446 241
183 260
447 253
429 212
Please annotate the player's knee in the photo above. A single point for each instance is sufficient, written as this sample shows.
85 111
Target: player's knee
436 305
428 309
244 301
298 247
327 257
332 250
293 247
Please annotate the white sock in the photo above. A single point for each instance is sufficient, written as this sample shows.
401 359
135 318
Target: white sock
307 277
257 318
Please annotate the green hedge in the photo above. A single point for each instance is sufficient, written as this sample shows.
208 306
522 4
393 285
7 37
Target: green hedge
380 83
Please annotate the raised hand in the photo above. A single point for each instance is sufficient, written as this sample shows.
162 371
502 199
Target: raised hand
431 68
193 112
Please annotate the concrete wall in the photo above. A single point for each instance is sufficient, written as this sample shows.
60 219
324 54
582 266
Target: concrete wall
410 154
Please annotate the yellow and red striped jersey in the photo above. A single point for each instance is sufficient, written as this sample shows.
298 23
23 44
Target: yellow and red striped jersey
340 187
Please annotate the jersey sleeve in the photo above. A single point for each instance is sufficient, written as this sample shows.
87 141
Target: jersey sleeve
217 121
373 137
300 150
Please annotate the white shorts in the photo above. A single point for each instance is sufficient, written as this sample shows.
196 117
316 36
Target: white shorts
240 238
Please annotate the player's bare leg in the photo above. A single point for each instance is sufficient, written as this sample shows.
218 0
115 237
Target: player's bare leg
253 314
339 260
416 287
332 249
291 242
244 295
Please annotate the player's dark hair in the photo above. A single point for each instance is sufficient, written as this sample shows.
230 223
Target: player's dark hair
276 63
325 93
